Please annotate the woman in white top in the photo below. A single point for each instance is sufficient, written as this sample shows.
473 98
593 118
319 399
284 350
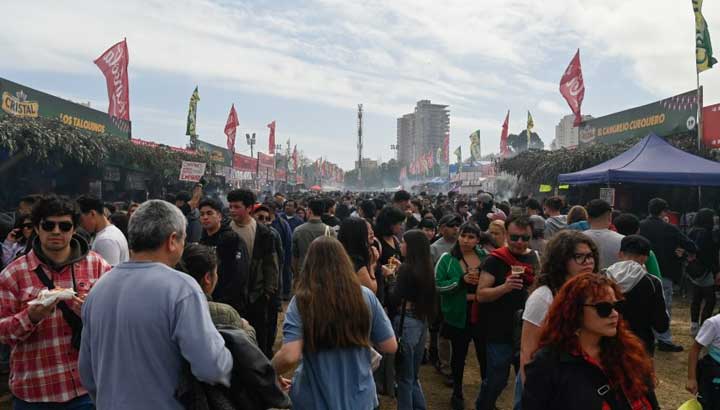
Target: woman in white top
568 253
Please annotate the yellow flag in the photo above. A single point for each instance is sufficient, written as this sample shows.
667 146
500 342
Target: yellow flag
703 48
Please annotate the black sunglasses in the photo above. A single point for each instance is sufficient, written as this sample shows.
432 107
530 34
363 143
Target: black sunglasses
516 238
49 226
604 309
582 258
28 225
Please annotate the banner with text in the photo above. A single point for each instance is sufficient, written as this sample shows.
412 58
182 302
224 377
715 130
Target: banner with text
711 126
666 117
192 171
244 163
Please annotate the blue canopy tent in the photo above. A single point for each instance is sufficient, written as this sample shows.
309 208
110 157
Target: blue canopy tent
651 161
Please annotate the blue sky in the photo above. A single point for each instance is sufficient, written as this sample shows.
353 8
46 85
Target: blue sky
307 64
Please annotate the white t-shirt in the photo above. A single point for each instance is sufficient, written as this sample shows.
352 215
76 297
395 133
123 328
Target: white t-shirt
111 244
709 334
537 306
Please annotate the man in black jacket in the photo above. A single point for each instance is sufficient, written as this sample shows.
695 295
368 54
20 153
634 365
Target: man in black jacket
669 244
264 267
644 308
233 256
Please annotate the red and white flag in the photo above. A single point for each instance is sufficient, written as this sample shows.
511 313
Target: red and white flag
271 139
113 64
572 87
504 137
231 128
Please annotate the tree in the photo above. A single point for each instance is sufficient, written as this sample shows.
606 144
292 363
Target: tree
518 142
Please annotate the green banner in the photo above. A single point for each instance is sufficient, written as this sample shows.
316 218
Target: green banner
218 155
666 117
21 101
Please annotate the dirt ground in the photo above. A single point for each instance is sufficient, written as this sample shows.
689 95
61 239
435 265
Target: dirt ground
671 371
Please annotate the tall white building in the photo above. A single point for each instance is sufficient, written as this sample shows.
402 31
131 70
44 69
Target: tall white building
422 131
566 136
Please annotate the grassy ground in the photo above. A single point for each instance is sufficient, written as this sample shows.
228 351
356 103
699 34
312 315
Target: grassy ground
671 372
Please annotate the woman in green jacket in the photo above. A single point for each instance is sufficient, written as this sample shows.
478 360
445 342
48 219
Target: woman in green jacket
456 278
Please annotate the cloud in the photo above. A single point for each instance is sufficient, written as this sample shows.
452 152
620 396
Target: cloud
481 58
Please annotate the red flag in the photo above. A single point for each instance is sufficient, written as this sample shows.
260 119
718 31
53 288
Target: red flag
231 128
572 87
504 136
271 140
113 64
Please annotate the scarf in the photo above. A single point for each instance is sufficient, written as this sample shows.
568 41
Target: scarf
509 258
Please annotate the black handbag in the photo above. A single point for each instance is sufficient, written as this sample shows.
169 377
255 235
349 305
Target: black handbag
400 353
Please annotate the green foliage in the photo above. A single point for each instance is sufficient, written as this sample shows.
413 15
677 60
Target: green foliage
543 167
50 143
518 142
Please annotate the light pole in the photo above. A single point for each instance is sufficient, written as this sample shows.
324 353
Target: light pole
395 148
251 142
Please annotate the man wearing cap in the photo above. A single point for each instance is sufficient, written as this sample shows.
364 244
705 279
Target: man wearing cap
439 348
668 243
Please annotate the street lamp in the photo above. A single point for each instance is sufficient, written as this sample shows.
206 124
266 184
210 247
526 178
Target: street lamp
251 142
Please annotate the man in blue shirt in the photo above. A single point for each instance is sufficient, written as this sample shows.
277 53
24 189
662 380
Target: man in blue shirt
289 215
145 320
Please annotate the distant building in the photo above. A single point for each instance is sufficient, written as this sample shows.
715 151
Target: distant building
405 138
422 131
367 163
566 135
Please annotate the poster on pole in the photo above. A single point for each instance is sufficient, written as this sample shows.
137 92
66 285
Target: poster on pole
608 195
192 171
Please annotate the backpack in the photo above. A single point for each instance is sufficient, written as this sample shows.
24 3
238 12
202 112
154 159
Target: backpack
695 269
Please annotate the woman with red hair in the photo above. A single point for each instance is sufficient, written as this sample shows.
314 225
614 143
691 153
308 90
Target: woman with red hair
587 357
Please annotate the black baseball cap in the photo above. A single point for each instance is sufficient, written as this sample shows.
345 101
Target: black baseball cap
451 219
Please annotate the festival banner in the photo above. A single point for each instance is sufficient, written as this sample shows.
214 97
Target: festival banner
280 174
192 114
192 171
665 117
245 163
271 138
475 147
711 126
504 150
704 59
114 65
231 128
266 161
150 144
218 155
572 87
24 102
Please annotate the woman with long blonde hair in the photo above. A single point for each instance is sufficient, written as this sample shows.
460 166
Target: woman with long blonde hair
330 326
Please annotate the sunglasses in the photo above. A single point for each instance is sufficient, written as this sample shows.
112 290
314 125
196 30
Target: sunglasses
604 309
583 258
28 225
517 238
49 226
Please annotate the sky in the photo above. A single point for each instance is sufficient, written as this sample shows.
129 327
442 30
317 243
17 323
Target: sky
308 64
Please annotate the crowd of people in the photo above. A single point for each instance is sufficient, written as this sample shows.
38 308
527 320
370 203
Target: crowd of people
175 303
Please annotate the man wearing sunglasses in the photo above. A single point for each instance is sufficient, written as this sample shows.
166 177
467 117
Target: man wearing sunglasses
501 294
645 309
58 259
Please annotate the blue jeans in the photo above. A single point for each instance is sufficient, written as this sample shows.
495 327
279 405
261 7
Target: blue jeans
78 403
667 285
499 360
517 401
409 392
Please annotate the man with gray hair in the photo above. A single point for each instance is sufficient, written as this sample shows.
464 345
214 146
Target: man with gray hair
146 319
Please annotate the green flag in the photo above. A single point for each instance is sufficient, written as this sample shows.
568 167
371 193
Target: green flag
192 113
703 48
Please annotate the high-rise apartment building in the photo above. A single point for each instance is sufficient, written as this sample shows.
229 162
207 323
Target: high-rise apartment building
422 131
566 135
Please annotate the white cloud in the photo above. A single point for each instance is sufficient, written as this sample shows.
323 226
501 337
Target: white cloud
479 57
